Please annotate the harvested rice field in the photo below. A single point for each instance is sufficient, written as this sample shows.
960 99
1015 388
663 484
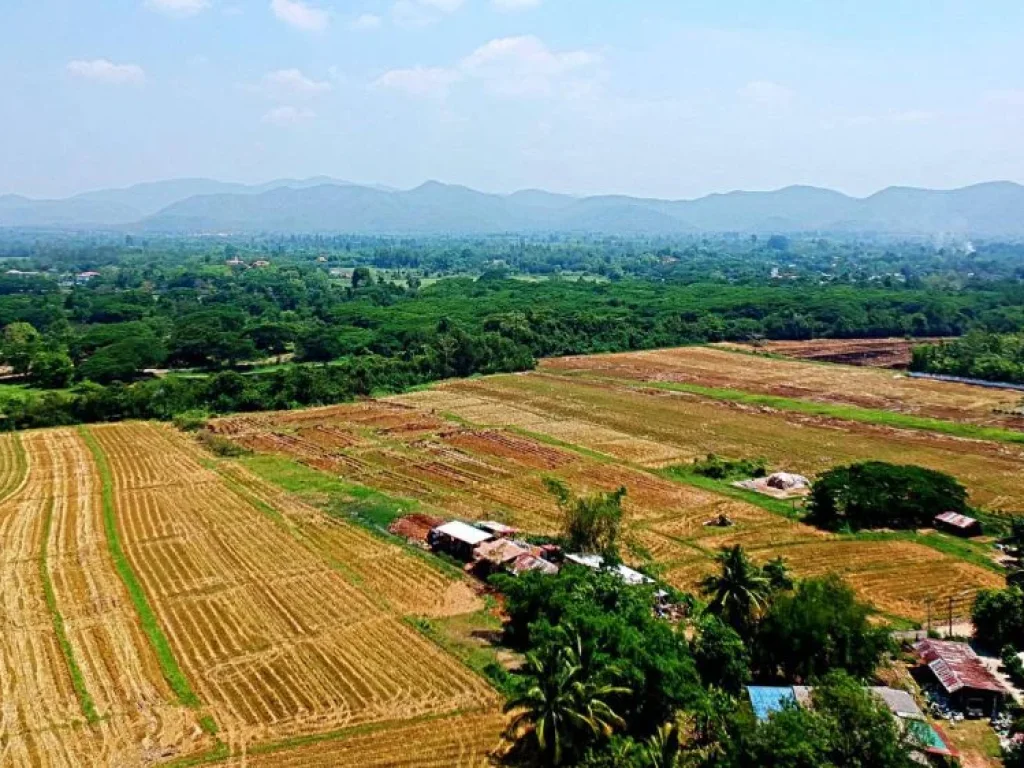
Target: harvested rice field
865 387
158 604
654 428
544 427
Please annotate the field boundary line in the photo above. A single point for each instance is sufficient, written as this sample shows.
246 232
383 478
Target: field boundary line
77 678
147 616
22 458
341 734
842 412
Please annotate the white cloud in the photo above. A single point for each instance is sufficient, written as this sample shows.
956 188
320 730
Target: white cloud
105 71
420 13
300 15
523 65
366 21
431 82
515 5
288 116
764 93
178 7
445 6
291 82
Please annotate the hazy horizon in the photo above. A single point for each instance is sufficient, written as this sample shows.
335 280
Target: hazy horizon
584 97
328 180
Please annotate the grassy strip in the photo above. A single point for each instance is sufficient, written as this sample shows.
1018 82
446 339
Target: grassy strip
77 678
845 412
355 504
21 460
147 617
351 499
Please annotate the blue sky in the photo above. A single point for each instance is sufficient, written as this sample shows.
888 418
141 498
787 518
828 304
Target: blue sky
665 98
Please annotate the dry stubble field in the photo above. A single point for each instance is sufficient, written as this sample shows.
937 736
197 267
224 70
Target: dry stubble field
260 600
481 449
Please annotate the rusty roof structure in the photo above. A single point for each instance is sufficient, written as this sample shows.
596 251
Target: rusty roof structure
956 520
956 666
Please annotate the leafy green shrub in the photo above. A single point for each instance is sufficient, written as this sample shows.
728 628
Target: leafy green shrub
719 468
221 446
191 421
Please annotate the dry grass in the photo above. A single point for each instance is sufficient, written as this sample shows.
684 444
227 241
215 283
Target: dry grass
692 426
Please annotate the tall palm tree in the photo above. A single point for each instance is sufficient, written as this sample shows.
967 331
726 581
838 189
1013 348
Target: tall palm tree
739 592
560 704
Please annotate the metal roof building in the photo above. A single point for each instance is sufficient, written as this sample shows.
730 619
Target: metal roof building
961 674
959 524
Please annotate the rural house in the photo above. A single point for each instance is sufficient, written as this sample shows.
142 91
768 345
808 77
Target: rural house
962 676
766 700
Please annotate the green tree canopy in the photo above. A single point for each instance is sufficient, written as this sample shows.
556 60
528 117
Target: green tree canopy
876 494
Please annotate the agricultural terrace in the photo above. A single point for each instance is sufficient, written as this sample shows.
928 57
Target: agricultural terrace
655 428
159 609
717 367
475 466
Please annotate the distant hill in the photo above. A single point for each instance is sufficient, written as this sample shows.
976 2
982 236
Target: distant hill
326 205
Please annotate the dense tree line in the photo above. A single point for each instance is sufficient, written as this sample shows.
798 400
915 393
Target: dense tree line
876 494
175 306
977 355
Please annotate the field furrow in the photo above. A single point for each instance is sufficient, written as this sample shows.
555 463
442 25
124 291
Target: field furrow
276 641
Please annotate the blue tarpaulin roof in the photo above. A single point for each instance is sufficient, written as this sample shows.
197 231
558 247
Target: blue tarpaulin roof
767 699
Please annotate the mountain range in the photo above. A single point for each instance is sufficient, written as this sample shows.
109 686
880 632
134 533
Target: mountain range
325 205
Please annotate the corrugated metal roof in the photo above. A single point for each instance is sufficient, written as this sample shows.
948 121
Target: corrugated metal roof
957 666
956 519
463 532
767 700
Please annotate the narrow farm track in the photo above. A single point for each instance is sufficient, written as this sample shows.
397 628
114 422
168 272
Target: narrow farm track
43 718
276 642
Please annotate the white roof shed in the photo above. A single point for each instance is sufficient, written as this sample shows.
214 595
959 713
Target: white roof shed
462 532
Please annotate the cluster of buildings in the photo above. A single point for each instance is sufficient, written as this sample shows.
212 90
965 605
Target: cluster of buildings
956 683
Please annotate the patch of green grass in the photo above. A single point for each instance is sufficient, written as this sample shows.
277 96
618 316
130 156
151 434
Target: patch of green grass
370 509
77 678
454 635
845 412
961 549
683 473
147 617
342 498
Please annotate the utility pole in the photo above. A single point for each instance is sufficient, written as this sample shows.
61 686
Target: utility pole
950 616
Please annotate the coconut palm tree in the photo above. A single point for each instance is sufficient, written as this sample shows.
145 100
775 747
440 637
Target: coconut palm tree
561 705
739 592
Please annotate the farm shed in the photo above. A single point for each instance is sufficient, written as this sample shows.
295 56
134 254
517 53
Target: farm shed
497 529
457 539
961 525
766 700
962 676
596 562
